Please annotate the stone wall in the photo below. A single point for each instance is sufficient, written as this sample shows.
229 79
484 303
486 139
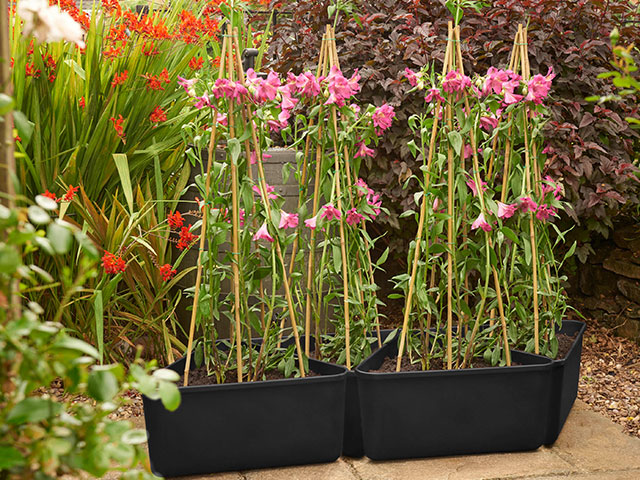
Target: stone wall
608 285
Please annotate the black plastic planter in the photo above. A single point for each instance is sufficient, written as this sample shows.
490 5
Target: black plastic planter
352 445
565 374
243 426
452 412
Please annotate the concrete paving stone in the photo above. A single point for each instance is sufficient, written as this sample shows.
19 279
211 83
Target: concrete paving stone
618 475
338 470
216 476
472 467
592 442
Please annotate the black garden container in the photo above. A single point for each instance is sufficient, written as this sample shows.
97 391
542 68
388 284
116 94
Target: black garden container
453 412
352 446
565 374
241 426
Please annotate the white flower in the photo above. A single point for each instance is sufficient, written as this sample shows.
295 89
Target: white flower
49 23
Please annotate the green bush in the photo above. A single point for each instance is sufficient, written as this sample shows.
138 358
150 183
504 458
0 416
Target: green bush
41 437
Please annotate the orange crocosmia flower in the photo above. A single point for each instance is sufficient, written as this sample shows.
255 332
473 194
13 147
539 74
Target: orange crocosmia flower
212 27
117 125
50 195
113 264
30 70
118 33
112 6
167 272
190 27
186 238
112 52
149 49
119 79
70 193
175 220
81 102
196 63
158 115
154 82
164 76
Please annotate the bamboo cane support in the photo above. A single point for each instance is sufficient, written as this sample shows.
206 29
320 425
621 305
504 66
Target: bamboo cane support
528 173
423 213
477 179
285 280
235 228
207 190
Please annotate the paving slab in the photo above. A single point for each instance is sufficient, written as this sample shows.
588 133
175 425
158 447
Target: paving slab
590 447
617 475
470 467
592 442
339 470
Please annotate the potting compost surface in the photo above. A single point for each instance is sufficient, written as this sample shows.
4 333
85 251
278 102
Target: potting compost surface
199 376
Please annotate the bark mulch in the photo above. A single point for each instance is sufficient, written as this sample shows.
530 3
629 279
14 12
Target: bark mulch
610 377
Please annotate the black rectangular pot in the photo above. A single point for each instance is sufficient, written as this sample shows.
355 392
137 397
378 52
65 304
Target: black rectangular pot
453 412
242 426
352 445
565 374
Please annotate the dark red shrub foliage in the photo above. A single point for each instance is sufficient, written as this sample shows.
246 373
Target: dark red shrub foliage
593 145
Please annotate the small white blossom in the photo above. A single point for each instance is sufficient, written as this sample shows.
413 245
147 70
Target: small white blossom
49 23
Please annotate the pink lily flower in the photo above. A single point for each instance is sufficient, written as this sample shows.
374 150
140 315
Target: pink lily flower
528 205
480 222
288 220
433 94
329 212
364 151
311 222
270 190
353 217
506 211
263 234
382 118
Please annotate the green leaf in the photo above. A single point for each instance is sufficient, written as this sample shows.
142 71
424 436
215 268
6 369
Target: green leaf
76 68
10 457
331 9
23 125
70 343
9 259
122 164
383 257
6 103
60 238
46 202
510 234
456 141
102 385
170 395
37 215
233 145
98 313
134 437
33 410
166 374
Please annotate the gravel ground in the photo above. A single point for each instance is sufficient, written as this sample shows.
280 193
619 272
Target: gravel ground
610 377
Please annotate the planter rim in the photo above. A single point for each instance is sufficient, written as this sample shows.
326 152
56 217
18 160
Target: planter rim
582 327
264 383
542 364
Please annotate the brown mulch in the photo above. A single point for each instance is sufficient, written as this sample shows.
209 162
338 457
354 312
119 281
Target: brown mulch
610 377
199 376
